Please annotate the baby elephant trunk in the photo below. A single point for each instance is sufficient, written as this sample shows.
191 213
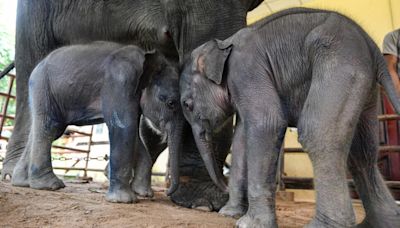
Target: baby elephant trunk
205 146
174 131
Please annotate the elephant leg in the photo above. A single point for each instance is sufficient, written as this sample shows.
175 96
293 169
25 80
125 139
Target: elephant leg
263 143
237 203
22 124
122 119
123 144
28 52
380 207
41 175
334 208
150 147
326 129
20 176
196 189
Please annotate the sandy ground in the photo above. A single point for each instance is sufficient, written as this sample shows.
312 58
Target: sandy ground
83 205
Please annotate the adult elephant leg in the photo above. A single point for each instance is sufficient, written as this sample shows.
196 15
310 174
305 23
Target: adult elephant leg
150 147
20 176
33 43
16 144
237 203
380 207
196 189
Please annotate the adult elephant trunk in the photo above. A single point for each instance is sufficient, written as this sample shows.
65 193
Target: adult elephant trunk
205 146
174 132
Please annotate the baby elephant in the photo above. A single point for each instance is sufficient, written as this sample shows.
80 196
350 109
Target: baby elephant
95 83
313 69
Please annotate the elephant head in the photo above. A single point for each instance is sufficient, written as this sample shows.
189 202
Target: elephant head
160 105
205 99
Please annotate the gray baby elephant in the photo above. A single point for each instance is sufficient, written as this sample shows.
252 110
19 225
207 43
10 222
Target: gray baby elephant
95 83
316 70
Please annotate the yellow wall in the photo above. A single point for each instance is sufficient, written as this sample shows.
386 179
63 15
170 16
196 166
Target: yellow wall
377 17
395 4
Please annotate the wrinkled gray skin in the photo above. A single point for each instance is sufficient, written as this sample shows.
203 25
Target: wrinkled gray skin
174 26
95 83
316 70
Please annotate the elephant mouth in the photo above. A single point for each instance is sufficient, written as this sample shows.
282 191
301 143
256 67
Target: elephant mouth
162 126
159 128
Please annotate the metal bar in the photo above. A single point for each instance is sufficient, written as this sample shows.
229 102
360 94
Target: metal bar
79 169
73 166
69 148
388 148
388 117
294 150
298 183
89 146
158 174
64 151
4 113
100 170
79 132
307 183
6 95
7 117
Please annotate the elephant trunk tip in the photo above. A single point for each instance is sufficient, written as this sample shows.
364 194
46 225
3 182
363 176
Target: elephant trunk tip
172 189
222 186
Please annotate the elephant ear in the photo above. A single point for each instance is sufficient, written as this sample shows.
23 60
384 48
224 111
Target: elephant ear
151 65
211 62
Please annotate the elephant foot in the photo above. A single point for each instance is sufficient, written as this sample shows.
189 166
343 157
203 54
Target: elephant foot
381 220
121 195
200 194
326 222
15 149
20 176
46 181
257 221
8 169
234 211
143 191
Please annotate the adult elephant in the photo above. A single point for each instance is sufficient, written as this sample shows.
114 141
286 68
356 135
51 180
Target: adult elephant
173 26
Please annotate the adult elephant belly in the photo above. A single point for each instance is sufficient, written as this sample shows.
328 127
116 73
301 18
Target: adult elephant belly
43 26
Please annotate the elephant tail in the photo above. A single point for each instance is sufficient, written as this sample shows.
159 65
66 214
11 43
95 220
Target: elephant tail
385 80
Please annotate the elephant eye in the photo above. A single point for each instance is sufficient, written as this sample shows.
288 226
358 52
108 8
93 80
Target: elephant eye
188 105
171 104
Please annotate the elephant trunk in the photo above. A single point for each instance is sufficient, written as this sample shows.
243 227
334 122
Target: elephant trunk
204 144
174 131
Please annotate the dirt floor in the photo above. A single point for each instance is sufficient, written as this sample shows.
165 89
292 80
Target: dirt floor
83 205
